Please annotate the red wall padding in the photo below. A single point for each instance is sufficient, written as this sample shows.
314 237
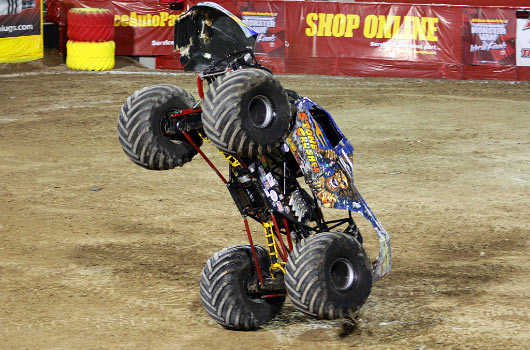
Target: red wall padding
451 40
481 3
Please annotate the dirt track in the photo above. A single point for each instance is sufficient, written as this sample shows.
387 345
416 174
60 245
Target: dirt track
445 165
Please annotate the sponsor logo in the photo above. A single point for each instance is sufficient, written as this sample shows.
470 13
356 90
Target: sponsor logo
21 27
488 31
307 139
260 22
134 19
527 25
388 27
162 43
525 52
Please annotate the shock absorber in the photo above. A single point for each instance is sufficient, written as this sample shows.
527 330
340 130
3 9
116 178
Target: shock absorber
276 264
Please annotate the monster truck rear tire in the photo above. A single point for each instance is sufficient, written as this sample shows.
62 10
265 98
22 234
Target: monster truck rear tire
224 291
328 275
140 127
246 112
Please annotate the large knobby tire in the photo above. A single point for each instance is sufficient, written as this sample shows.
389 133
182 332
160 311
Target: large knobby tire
246 112
90 24
224 291
328 275
141 122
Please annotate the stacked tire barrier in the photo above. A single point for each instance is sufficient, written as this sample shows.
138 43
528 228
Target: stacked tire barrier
90 43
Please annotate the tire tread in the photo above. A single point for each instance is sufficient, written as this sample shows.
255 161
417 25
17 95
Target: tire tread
303 280
221 110
135 131
219 293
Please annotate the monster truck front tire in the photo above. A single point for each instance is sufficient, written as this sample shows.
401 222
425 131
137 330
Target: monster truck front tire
224 289
246 112
140 127
328 275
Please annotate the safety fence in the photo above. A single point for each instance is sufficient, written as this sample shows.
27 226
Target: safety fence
404 39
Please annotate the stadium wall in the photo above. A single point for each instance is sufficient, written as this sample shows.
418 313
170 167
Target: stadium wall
454 40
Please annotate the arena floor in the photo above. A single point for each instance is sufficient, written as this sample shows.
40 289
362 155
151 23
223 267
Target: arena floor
96 252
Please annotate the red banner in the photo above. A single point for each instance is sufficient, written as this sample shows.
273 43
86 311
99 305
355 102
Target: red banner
411 33
353 39
369 37
334 38
489 36
143 28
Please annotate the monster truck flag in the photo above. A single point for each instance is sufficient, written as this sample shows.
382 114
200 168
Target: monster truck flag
523 38
21 30
489 36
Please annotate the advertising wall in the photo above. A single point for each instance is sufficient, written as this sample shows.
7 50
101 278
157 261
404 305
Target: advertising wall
344 38
352 39
369 39
20 30
489 36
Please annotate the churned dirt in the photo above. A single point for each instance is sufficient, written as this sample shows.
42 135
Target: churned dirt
98 253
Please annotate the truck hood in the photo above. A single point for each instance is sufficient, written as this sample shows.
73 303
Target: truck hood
207 33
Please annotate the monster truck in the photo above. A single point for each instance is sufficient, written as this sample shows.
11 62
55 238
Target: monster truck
271 138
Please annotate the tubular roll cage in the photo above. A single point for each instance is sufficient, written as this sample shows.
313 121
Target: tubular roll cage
277 250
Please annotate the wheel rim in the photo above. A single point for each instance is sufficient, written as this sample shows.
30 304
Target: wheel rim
252 296
165 124
260 111
343 275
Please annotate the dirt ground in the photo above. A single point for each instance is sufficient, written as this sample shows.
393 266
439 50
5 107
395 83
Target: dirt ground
97 253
